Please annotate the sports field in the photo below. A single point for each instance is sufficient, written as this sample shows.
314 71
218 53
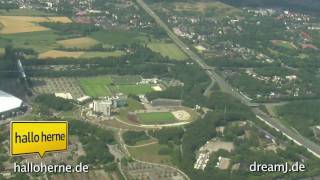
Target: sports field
156 118
22 24
167 50
83 42
135 89
132 79
96 87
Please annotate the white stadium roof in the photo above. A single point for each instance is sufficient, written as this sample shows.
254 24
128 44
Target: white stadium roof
8 102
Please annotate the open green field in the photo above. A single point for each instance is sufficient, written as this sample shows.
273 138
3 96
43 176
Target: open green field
167 50
25 12
2 51
96 54
134 105
130 89
39 41
135 89
156 118
103 86
132 79
150 153
96 87
118 37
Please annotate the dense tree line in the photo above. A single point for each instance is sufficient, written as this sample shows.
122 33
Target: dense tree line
167 135
302 115
71 28
8 63
49 101
94 141
132 137
8 6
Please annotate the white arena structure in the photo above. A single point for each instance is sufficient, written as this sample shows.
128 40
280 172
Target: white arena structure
8 103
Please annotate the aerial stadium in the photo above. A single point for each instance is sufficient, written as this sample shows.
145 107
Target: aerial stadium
8 104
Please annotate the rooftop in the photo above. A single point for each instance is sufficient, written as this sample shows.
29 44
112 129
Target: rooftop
8 102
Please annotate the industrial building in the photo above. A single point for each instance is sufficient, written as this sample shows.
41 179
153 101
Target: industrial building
102 106
8 104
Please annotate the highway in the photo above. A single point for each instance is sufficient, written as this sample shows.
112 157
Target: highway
226 87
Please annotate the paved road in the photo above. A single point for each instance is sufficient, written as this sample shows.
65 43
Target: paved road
226 87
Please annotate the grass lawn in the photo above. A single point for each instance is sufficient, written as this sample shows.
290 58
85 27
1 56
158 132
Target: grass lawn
150 154
156 118
96 87
135 89
118 37
126 79
134 105
96 54
41 41
167 50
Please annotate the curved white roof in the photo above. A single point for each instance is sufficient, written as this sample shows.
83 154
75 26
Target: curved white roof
8 102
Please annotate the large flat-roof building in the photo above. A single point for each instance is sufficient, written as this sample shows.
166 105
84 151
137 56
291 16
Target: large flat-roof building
8 103
102 106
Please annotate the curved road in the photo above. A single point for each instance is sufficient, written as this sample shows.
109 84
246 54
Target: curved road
226 87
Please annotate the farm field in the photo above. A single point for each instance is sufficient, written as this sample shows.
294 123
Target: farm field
202 7
79 54
83 42
96 87
156 118
97 54
22 24
118 37
2 51
135 89
26 12
41 41
60 54
167 50
150 153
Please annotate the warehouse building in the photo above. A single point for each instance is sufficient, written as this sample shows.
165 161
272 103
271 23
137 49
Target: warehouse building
9 104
